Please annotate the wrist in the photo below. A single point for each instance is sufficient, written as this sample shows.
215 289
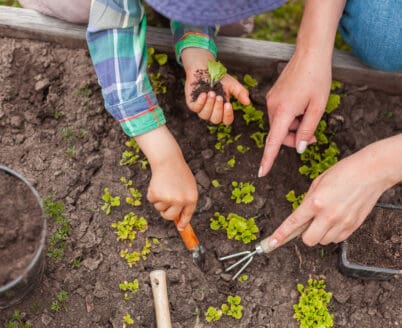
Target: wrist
195 58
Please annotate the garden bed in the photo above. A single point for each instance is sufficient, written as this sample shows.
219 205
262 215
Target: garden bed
55 131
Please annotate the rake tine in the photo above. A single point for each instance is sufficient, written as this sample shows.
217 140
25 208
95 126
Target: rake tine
245 258
242 268
231 256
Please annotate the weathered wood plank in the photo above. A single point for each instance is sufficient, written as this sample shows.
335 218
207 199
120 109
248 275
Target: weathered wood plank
240 53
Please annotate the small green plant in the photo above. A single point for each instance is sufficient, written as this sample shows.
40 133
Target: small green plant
158 85
129 288
133 155
76 263
258 138
312 309
132 258
234 308
213 314
249 81
232 162
236 226
146 250
59 303
127 228
85 91
243 278
135 199
223 136
160 58
215 183
216 71
57 114
57 239
127 320
126 182
250 113
71 151
68 134
155 241
242 149
294 199
109 201
333 103
17 321
242 192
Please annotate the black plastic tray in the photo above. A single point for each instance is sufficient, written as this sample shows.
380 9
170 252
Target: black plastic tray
364 271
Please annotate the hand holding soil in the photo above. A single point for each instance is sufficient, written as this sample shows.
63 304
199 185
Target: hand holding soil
211 103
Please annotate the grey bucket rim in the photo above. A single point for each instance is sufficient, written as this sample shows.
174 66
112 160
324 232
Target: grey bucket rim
42 241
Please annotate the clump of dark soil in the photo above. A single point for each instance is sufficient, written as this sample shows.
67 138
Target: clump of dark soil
202 85
378 242
20 227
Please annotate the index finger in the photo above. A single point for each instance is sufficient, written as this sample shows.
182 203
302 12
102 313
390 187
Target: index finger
277 134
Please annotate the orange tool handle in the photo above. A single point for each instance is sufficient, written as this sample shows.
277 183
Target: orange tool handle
188 236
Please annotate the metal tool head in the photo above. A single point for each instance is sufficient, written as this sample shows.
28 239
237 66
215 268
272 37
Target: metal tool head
246 258
199 257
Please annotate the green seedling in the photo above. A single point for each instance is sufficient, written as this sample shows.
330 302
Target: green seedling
160 58
250 113
216 71
318 162
243 278
59 303
335 85
234 308
133 155
155 241
126 229
295 200
128 158
333 103
131 258
215 183
258 138
129 288
57 115
17 321
146 250
223 136
135 199
76 263
242 192
85 91
312 308
127 320
213 314
242 149
57 239
126 182
236 227
249 81
232 162
71 151
109 201
158 85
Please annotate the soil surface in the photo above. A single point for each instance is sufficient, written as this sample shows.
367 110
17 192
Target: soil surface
55 131
382 233
20 227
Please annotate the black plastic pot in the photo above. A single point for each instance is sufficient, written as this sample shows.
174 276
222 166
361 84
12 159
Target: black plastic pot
357 270
15 290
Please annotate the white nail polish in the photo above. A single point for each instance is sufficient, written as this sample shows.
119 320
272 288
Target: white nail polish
260 172
272 243
301 147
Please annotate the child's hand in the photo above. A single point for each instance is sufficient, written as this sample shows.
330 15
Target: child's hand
210 106
172 190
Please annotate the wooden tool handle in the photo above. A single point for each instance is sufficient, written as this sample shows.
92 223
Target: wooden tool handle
161 302
265 243
189 237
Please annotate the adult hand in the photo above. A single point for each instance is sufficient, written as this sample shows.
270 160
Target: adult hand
172 189
295 104
210 107
340 199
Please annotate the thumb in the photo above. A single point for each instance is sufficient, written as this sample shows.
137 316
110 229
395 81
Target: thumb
185 217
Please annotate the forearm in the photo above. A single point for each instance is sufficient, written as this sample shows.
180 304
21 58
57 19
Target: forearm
319 25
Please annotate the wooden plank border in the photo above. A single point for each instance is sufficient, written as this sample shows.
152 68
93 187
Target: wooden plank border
251 55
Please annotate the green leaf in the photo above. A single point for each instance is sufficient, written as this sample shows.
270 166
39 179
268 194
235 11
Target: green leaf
333 103
161 59
216 71
249 81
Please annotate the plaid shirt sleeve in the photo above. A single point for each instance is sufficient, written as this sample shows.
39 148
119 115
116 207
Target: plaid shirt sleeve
186 35
117 45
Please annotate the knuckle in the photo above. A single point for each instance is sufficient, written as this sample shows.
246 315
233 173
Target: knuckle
317 204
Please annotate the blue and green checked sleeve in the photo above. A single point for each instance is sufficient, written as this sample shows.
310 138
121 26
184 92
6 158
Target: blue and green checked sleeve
185 36
116 40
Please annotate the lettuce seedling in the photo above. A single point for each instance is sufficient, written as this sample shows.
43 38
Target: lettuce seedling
133 155
109 201
127 320
129 288
215 183
213 314
135 199
295 200
232 162
258 138
236 227
242 192
250 113
216 71
318 162
242 278
249 81
158 85
242 149
131 258
333 103
126 182
127 228
223 135
59 303
312 309
234 308
146 250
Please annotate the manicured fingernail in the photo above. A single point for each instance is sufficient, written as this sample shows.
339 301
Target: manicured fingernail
211 94
260 172
301 147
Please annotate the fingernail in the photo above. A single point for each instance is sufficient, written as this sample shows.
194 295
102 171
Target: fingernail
211 94
301 147
272 243
260 172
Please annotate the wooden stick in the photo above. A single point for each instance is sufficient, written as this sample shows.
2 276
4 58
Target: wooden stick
161 302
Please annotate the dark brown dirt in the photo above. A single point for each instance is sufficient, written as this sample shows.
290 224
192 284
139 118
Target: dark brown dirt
202 85
75 170
20 227
378 242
